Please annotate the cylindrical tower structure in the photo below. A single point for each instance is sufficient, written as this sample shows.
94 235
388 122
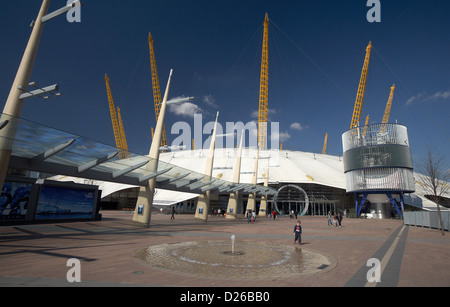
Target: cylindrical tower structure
377 160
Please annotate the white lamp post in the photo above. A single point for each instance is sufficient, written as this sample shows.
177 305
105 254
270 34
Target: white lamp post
14 103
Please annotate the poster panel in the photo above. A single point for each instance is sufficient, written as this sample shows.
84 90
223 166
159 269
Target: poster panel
14 200
63 203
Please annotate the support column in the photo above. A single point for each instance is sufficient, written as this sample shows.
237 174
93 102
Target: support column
13 106
202 210
144 205
394 204
251 203
234 196
359 208
402 202
263 204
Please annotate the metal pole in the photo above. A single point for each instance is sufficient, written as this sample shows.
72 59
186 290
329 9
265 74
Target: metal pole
13 106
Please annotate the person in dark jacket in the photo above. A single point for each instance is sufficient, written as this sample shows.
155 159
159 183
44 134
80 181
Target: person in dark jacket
339 219
298 232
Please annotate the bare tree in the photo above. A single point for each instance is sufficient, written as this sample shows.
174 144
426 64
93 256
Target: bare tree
434 180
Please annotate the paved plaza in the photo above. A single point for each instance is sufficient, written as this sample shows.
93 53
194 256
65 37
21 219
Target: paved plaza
185 253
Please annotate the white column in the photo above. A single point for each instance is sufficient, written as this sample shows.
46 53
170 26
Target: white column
263 204
234 196
251 203
144 205
202 210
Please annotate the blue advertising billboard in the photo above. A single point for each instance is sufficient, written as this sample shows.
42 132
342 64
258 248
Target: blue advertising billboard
65 203
14 200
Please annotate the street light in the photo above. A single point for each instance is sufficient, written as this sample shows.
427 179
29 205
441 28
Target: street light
39 91
61 11
14 103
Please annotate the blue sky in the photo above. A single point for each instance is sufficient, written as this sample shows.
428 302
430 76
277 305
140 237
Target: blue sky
316 48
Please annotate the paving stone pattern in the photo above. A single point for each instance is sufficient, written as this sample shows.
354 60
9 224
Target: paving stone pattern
112 253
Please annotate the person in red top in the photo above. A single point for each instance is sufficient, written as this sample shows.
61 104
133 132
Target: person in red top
298 233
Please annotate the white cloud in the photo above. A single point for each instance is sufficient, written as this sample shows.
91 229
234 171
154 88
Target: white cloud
441 95
414 98
282 136
297 126
185 109
210 101
255 114
422 97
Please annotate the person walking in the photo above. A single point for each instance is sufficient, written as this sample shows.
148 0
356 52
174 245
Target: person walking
329 219
173 213
249 216
339 219
298 233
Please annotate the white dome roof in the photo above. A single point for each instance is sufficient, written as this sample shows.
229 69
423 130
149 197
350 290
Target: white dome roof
284 165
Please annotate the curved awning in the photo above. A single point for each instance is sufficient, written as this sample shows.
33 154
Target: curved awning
39 148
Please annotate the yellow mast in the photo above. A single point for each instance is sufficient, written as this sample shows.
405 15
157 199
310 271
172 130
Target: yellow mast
365 126
387 112
123 138
264 89
361 90
324 150
121 143
156 88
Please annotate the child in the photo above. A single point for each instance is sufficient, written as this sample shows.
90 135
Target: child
298 233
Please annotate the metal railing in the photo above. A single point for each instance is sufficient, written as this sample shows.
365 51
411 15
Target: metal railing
375 134
428 219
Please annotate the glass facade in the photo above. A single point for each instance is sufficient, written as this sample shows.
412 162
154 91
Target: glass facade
378 158
380 179
390 156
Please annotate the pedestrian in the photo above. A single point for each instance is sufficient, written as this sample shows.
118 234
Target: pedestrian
249 216
339 219
173 213
329 219
274 215
298 233
253 216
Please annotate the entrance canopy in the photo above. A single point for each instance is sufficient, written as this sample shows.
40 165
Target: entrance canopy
39 148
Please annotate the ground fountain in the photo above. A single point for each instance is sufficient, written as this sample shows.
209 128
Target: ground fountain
256 260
